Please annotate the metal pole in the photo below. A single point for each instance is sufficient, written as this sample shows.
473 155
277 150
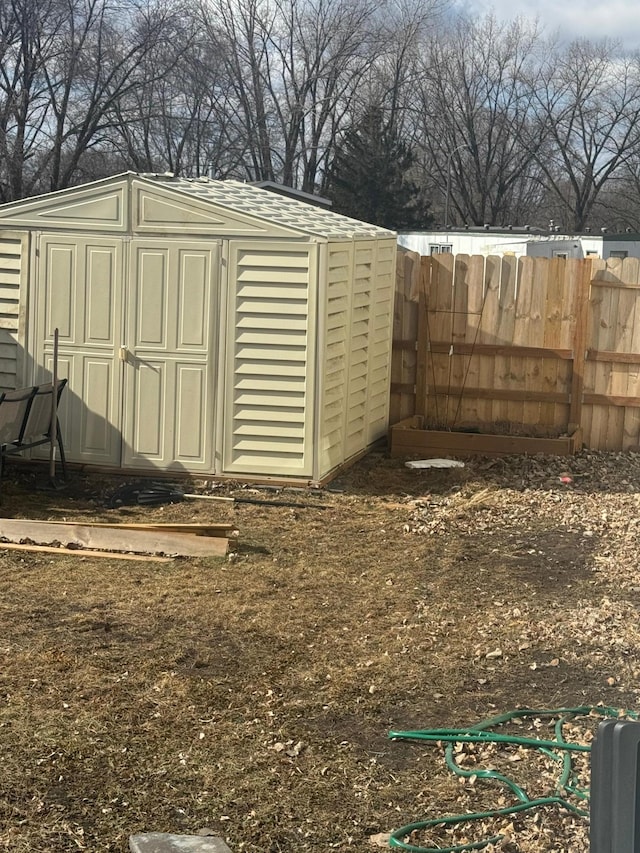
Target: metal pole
54 409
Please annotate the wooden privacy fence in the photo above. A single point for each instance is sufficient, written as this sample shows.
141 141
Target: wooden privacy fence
522 347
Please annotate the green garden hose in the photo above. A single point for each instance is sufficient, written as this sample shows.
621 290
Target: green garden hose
558 750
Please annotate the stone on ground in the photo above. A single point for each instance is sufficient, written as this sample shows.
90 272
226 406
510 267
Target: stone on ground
166 842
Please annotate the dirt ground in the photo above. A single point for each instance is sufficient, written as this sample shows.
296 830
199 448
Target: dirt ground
253 696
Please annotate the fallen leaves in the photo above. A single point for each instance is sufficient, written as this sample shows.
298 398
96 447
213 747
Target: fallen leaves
272 660
380 839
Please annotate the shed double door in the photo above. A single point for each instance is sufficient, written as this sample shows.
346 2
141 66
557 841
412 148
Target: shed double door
136 343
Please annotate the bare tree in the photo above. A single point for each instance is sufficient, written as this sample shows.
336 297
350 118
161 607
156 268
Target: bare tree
618 204
589 101
296 67
508 126
102 59
479 129
24 102
180 117
321 68
66 64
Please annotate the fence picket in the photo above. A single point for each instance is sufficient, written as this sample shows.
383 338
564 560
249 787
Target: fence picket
506 330
476 291
631 424
551 374
488 335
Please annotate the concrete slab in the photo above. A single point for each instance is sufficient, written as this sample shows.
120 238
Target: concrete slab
166 842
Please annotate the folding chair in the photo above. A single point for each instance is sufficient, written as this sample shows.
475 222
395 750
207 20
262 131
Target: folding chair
38 426
14 411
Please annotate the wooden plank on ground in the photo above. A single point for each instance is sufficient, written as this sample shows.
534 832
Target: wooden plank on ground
108 539
192 529
82 552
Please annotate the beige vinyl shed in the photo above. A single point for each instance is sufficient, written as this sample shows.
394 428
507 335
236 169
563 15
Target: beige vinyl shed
209 327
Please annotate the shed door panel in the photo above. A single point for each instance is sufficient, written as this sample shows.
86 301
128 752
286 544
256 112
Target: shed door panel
79 292
168 421
270 361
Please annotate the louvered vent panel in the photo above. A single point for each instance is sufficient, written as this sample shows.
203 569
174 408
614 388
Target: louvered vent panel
336 356
12 259
359 348
267 404
380 345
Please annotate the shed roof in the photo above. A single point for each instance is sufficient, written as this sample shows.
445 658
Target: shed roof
205 205
272 207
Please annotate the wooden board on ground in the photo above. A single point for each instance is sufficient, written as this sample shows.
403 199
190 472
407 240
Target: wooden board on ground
187 529
82 552
109 539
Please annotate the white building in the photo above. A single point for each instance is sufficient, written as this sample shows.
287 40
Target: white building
518 241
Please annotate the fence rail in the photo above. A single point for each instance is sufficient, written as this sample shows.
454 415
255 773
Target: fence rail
529 346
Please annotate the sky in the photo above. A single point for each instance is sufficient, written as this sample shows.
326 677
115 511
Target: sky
570 19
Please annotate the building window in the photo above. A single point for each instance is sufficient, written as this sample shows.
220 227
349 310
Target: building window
592 253
564 255
618 253
440 248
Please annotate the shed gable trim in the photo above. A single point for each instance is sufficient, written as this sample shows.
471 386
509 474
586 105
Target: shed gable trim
108 208
93 207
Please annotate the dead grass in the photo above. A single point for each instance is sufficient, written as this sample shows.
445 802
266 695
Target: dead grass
254 695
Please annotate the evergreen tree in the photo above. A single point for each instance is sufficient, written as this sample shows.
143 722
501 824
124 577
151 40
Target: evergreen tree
370 177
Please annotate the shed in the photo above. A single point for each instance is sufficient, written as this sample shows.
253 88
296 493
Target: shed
210 327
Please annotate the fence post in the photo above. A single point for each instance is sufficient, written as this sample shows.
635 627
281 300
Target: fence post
581 313
423 338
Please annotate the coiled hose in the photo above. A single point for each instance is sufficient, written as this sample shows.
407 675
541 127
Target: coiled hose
558 750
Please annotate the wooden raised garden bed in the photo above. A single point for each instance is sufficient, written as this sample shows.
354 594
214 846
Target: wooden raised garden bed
409 438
